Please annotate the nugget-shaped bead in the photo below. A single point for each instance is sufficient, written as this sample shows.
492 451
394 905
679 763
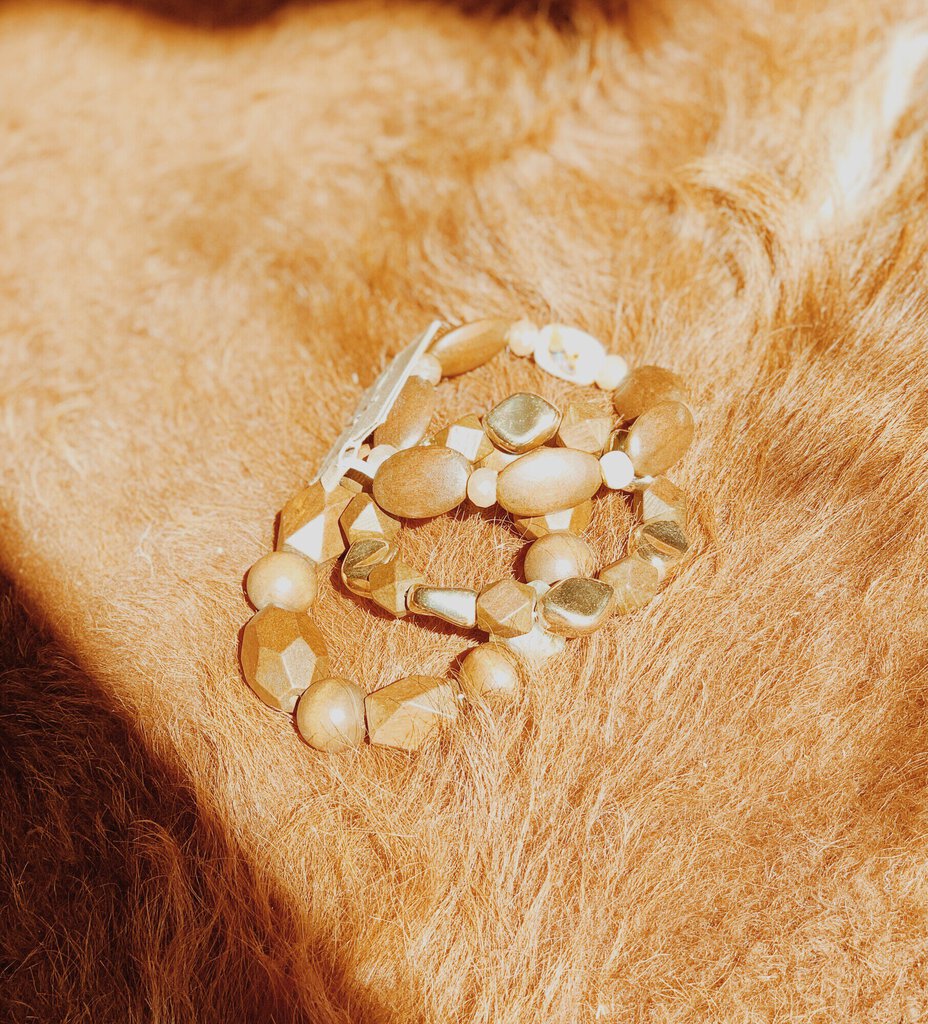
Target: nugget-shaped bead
558 556
282 653
585 427
407 422
546 480
577 606
663 500
489 671
453 604
506 608
404 714
330 715
644 388
481 487
634 581
389 583
470 345
662 544
282 579
360 560
521 422
565 520
659 438
421 482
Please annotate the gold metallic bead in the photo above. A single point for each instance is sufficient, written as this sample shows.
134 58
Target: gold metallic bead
360 560
405 713
558 556
498 460
585 427
453 604
282 579
661 543
330 715
489 671
644 388
309 523
548 479
634 581
466 436
506 608
470 345
537 646
363 517
566 520
659 438
421 482
577 606
408 420
663 500
521 422
481 487
389 583
282 653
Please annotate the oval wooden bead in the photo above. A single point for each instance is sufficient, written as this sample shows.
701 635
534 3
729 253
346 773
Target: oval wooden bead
546 480
282 579
330 715
634 581
558 556
644 387
577 606
488 671
470 345
521 422
421 482
408 420
659 438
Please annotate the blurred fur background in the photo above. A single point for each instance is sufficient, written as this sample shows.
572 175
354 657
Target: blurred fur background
216 223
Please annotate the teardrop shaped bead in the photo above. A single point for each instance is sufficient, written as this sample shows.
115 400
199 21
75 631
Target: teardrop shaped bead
421 482
659 438
548 479
408 420
644 387
470 345
521 422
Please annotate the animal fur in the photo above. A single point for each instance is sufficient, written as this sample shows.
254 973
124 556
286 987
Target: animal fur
210 240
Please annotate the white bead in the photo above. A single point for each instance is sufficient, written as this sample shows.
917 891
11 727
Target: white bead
617 470
428 367
536 646
378 456
481 487
569 354
522 337
540 587
614 370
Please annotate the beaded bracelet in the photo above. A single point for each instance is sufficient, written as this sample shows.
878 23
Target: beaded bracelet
541 465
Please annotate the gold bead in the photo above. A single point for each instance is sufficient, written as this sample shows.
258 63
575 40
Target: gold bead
453 604
585 427
360 560
521 422
659 438
634 582
282 653
363 517
405 713
466 436
661 543
282 579
558 556
421 482
577 606
506 608
566 520
407 422
663 500
644 388
309 523
389 583
469 346
488 671
548 479
481 488
330 715
537 646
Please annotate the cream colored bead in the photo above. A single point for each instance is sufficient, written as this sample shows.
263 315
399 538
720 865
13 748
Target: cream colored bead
663 500
389 585
565 520
481 487
309 523
585 427
488 671
498 460
422 482
663 544
377 457
659 438
644 388
617 470
548 479
282 579
634 582
522 337
577 606
405 713
330 715
469 346
569 354
428 368
506 608
363 517
453 604
466 436
614 371
407 422
282 653
558 556
360 560
521 422
536 647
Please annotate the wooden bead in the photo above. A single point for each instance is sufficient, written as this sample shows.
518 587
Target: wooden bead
644 388
634 582
522 337
428 368
330 715
390 583
614 370
481 487
469 346
663 500
309 523
577 606
506 608
408 420
521 422
282 653
548 479
405 713
282 579
360 560
536 647
659 438
617 470
585 427
489 671
466 436
363 517
566 520
558 556
421 482
453 604
662 544
569 354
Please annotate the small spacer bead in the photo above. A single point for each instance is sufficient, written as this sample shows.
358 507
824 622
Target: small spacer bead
522 337
611 374
377 457
481 487
427 367
617 470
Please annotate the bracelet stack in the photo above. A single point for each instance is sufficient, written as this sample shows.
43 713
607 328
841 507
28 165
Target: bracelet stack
540 464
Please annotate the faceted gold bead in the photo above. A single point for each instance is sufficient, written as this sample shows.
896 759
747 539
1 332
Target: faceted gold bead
634 581
466 436
548 479
389 583
361 558
537 646
363 517
309 523
470 345
405 713
421 482
408 420
282 579
566 520
489 671
661 543
659 438
506 608
453 604
521 422
558 556
282 653
585 427
644 388
577 606
330 715
663 500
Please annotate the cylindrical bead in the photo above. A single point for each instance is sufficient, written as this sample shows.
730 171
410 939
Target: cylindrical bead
659 438
644 388
576 607
330 715
470 345
408 420
453 604
427 367
548 479
488 671
421 482
282 579
522 337
558 556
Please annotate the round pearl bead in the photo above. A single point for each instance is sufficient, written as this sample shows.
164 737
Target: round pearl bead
522 337
617 470
558 556
377 457
613 371
481 487
282 579
330 715
488 671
